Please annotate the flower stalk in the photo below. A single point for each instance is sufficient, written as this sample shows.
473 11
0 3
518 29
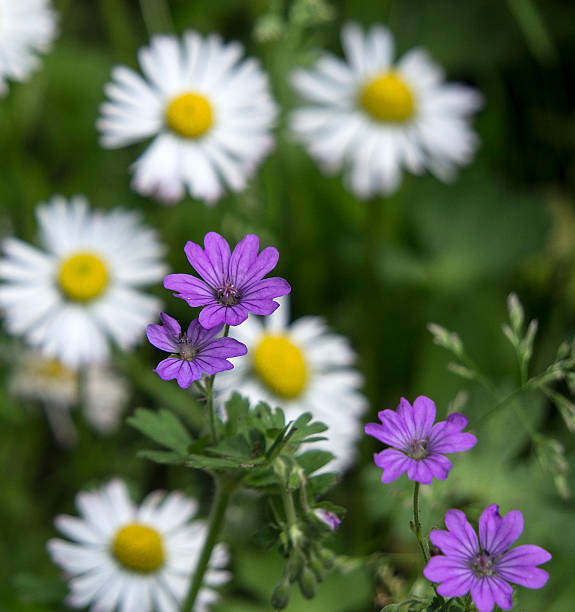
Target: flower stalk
416 523
221 500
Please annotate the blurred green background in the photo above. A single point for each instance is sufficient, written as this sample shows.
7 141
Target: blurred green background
378 271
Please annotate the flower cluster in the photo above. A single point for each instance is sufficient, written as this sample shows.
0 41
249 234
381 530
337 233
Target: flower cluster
210 113
482 567
232 285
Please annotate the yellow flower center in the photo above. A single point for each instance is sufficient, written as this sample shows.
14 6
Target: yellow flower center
281 366
54 370
83 276
190 115
138 548
387 98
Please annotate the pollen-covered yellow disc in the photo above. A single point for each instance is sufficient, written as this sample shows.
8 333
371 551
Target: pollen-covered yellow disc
138 548
281 366
190 115
387 98
83 276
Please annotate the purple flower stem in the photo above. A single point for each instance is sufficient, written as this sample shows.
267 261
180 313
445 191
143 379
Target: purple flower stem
209 394
416 524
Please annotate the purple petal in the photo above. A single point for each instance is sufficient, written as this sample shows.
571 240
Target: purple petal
200 263
393 463
198 335
456 586
446 436
439 465
440 568
518 566
424 415
188 372
489 590
212 315
267 288
224 348
260 307
457 421
419 472
190 288
169 368
243 259
496 534
449 544
161 338
235 315
392 431
217 251
212 365
405 413
265 262
171 324
460 528
329 518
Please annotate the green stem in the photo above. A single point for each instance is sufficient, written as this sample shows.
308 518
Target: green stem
156 15
217 515
289 507
416 523
212 408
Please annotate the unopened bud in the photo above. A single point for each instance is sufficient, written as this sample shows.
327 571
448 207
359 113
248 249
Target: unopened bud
307 583
294 566
280 595
317 567
327 558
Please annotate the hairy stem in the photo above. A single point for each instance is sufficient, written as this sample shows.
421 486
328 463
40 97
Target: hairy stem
416 523
217 515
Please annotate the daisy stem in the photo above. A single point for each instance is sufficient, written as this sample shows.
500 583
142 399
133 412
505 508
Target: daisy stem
217 515
416 523
156 15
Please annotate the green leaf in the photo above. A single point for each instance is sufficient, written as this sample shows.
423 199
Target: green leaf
313 460
321 483
238 411
235 446
164 457
162 427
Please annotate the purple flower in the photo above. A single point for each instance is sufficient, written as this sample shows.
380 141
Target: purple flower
193 353
329 518
418 444
484 567
233 283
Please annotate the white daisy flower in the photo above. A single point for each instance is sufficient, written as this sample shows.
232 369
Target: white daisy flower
134 559
302 367
209 110
102 393
372 118
27 28
81 289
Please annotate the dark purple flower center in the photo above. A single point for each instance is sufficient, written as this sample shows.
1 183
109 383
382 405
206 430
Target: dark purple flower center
228 295
186 350
417 449
483 564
